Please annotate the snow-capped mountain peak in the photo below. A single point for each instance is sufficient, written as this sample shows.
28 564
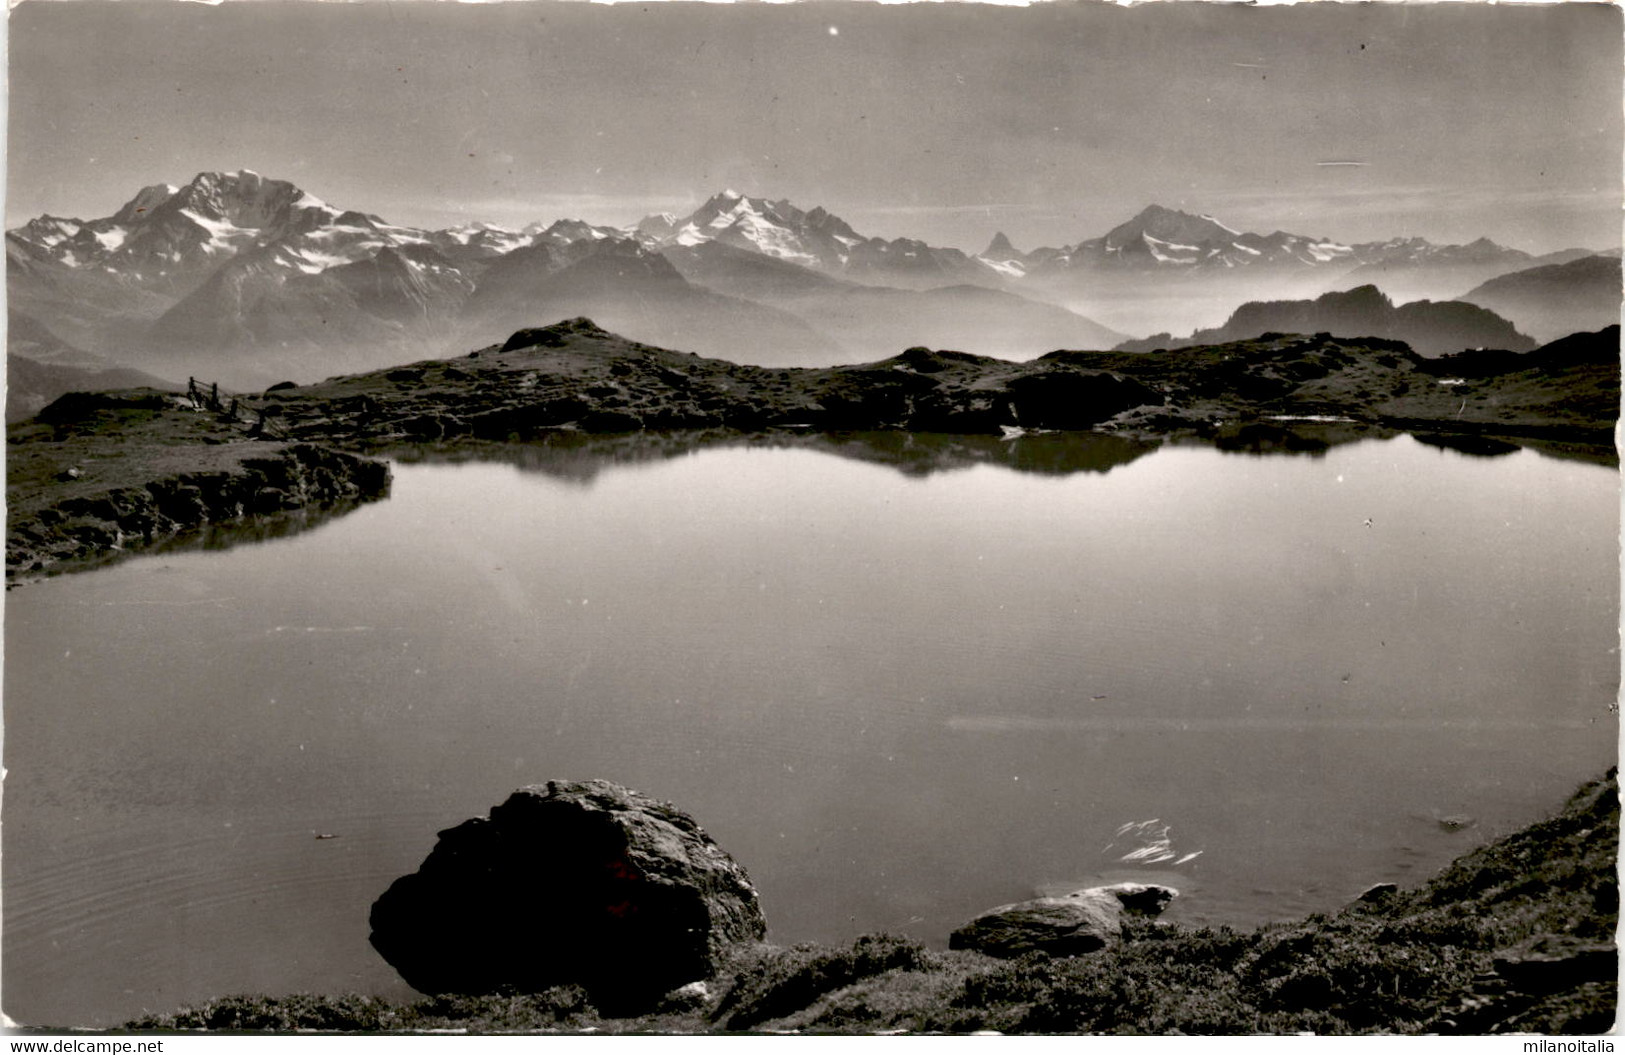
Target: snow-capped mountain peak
245 199
776 229
1171 227
147 199
1003 257
567 232
177 234
1159 237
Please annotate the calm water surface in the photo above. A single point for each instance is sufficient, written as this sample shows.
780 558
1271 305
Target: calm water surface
898 698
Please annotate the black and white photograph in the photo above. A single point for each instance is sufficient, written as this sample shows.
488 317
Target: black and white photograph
659 519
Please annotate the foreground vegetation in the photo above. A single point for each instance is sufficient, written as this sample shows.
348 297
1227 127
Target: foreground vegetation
1516 936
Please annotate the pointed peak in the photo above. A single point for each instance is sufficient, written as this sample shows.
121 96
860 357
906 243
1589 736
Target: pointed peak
722 201
999 246
655 226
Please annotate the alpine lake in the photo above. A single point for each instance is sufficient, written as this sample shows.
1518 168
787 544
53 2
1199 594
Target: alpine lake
901 678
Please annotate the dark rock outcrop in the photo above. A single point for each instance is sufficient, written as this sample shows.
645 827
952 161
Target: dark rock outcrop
1556 964
568 883
258 496
1065 398
1080 922
575 376
1430 328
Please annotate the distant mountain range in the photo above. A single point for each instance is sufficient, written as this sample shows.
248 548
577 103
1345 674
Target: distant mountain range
242 278
40 367
1162 239
1554 300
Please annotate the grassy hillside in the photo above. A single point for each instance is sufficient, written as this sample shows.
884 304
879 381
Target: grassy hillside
575 375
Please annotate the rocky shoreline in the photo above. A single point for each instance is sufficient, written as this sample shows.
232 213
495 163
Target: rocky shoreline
94 477
1514 937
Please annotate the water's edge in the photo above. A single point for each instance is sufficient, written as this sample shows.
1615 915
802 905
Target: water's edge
1515 936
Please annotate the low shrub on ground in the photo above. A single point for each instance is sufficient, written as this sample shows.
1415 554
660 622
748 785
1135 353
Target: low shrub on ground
788 980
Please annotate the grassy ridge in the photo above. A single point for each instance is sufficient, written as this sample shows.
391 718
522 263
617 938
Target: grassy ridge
1516 936
573 375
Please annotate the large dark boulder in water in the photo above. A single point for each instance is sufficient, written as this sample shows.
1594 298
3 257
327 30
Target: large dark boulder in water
570 883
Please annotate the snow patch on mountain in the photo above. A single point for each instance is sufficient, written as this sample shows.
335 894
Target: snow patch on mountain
1170 252
49 231
769 238
1008 268
312 262
223 235
403 235
1324 252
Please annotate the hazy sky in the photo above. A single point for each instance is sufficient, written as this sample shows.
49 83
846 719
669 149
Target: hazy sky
942 121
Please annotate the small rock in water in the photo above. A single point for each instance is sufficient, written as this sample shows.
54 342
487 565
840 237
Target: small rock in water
1080 922
1457 822
1378 892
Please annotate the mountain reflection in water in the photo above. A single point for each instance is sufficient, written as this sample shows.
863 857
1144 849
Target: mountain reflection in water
580 457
